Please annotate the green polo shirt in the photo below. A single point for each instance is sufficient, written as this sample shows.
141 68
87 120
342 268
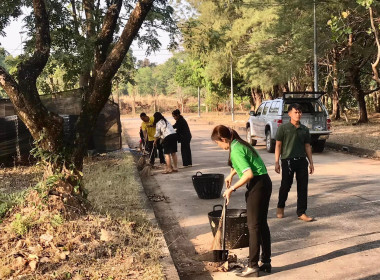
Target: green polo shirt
243 158
293 140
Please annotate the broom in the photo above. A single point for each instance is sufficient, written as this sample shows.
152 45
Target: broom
147 170
216 243
142 160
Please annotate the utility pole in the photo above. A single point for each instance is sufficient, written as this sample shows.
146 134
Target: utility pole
315 50
232 94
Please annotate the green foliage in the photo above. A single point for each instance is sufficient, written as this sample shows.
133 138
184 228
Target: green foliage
22 224
57 220
9 10
7 201
365 3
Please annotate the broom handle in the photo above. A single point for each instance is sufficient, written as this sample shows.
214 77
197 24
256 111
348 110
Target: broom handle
151 152
224 226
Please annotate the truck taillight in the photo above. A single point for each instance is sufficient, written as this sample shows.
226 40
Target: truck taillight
328 124
279 122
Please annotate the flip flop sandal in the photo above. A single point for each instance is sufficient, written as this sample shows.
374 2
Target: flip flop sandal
175 170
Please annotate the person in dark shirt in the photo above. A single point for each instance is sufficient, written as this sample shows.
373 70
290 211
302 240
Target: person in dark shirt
294 149
184 137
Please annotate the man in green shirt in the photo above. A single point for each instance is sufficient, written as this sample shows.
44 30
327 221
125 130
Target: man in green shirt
293 144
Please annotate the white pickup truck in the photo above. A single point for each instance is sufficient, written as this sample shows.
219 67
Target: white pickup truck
272 113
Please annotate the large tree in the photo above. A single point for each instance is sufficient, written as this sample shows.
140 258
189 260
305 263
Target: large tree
99 41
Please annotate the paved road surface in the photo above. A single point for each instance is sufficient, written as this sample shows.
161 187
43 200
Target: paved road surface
344 197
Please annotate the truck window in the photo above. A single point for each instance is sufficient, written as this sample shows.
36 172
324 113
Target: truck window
266 108
307 107
274 108
260 109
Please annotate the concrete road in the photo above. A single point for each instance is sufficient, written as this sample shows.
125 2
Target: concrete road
344 198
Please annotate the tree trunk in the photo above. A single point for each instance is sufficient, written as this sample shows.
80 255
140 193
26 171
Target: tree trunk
377 40
257 97
356 88
376 98
42 124
335 95
276 91
47 126
252 100
134 101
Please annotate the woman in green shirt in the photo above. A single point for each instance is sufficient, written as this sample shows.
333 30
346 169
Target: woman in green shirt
246 162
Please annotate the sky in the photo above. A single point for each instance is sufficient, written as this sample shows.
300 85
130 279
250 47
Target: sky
14 36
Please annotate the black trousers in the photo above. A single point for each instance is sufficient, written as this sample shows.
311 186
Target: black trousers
257 198
289 167
153 155
186 154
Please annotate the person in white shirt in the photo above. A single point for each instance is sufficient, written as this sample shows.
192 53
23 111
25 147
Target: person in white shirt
165 131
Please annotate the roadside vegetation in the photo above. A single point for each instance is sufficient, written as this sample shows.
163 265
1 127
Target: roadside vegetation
113 240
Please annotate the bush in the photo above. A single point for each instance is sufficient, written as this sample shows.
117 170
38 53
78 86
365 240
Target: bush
21 225
7 201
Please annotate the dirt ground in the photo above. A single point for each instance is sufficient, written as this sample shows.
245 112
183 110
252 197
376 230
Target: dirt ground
365 136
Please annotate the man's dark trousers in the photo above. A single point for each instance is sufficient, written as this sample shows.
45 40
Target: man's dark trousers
186 153
289 167
150 146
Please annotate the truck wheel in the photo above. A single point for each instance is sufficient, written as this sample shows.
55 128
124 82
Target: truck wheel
318 146
249 137
270 143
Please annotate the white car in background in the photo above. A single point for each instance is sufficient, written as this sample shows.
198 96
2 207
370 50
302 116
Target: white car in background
272 113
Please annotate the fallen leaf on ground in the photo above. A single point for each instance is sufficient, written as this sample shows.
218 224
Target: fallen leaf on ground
33 265
46 238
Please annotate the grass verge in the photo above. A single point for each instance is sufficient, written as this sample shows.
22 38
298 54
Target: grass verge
114 241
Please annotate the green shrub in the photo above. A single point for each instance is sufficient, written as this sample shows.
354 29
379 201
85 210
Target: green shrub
21 225
7 201
57 220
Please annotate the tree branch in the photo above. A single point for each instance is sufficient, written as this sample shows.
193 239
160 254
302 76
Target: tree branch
88 6
101 87
11 87
371 91
29 70
376 63
106 34
115 58
75 16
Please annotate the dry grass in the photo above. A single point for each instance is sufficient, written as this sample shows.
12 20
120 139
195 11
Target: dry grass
114 241
363 136
14 179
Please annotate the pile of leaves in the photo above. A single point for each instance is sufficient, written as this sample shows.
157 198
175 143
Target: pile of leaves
44 239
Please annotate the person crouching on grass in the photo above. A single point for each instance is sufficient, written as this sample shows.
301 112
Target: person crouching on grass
246 162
